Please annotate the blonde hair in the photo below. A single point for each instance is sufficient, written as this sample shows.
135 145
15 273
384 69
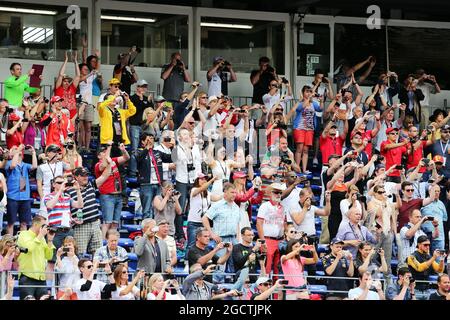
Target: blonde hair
153 279
6 238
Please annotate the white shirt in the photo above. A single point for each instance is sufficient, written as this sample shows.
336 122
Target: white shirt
70 273
345 207
115 295
274 218
215 85
291 201
185 155
198 205
167 173
49 171
169 296
308 224
427 89
409 247
356 292
86 88
94 293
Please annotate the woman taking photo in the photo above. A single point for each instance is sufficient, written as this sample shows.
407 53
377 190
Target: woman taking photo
167 206
67 267
369 259
351 201
125 290
200 201
14 134
293 266
71 157
158 286
276 127
8 253
304 124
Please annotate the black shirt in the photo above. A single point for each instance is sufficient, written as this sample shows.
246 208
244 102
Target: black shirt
340 271
196 253
240 255
126 77
180 112
141 105
262 86
436 296
90 206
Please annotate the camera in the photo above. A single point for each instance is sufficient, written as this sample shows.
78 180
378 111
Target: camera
261 256
324 80
179 63
284 80
190 167
399 167
175 193
442 252
412 280
285 159
262 241
167 139
239 294
9 110
426 161
270 69
380 157
27 147
313 240
284 282
52 230
226 245
429 218
65 249
102 264
170 276
282 126
22 249
414 140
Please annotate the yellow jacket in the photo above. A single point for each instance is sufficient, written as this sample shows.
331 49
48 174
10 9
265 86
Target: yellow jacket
106 123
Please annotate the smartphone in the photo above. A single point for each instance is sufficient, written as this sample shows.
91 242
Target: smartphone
429 218
284 281
399 167
102 264
262 241
226 244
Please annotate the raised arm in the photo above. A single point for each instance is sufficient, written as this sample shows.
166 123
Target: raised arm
62 70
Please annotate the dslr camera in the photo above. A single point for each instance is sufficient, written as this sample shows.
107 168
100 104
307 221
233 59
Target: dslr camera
190 167
285 159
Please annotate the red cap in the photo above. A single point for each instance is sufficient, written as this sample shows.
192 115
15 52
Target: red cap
56 99
239 174
355 133
14 117
391 129
438 158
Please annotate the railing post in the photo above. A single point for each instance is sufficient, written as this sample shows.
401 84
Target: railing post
3 284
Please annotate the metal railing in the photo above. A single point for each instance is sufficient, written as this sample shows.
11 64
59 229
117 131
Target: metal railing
319 286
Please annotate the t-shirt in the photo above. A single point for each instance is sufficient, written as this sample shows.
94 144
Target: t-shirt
274 218
291 201
329 146
437 296
392 156
356 292
405 209
90 205
94 293
174 84
59 215
69 97
293 272
195 253
14 140
308 224
340 271
115 295
48 171
141 105
125 76
262 86
218 84
113 183
86 88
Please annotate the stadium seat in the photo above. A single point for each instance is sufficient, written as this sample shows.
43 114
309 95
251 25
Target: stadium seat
127 216
132 227
433 278
132 263
126 243
322 248
314 288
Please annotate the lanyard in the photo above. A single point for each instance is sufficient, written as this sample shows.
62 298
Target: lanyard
51 170
109 254
224 170
192 158
155 166
444 150
354 233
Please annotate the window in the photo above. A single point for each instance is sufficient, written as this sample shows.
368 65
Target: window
242 43
313 49
29 31
156 35
355 43
420 48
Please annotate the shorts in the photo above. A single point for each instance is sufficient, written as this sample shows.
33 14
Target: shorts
88 114
111 207
304 136
16 208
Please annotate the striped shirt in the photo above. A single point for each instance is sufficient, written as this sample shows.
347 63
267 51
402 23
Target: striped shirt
90 206
59 215
409 245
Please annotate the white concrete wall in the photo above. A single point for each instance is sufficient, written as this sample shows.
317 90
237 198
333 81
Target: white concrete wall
152 75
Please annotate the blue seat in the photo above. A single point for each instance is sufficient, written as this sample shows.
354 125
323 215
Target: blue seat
132 227
131 204
133 259
126 215
320 273
433 278
132 180
316 187
126 243
33 187
322 248
320 289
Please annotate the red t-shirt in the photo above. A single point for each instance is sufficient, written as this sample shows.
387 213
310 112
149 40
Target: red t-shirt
109 185
329 146
69 96
15 139
57 129
416 156
368 136
392 156
274 136
405 209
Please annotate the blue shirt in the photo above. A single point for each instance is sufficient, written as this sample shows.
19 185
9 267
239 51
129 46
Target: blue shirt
225 217
347 232
437 210
394 289
13 181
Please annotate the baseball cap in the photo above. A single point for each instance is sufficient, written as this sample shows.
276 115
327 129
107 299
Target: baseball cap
337 240
342 106
278 186
262 280
239 174
354 133
67 77
211 98
142 83
438 158
333 156
380 166
217 58
160 99
201 175
114 81
446 127
56 99
80 171
333 125
53 148
422 239
163 221
14 117
388 130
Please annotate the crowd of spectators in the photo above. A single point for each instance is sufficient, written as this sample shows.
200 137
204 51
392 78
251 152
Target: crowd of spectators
363 192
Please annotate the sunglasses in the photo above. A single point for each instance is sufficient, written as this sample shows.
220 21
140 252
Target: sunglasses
202 97
88 266
274 85
115 85
426 244
124 271
277 192
381 192
394 133
266 284
59 182
409 190
293 231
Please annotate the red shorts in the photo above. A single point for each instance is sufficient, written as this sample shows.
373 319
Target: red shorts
304 136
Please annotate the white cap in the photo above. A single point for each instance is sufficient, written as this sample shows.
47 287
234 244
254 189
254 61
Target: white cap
212 98
343 106
141 83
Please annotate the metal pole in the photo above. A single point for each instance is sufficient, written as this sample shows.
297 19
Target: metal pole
3 284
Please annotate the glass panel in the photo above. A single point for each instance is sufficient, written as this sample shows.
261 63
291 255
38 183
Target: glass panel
355 43
242 43
157 35
313 49
406 55
27 34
